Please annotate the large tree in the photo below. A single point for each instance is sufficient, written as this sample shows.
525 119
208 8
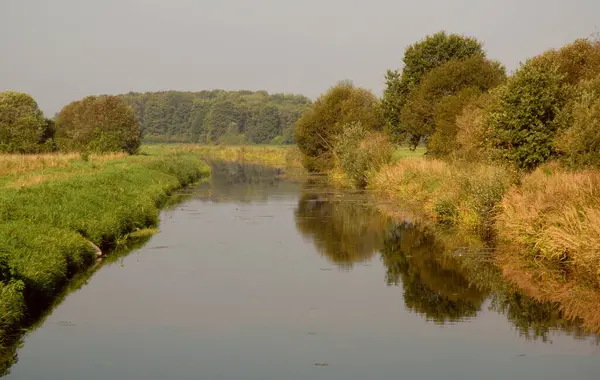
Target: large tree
318 128
419 59
418 115
23 128
98 124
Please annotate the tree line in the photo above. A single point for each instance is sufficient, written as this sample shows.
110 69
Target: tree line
110 123
459 104
218 116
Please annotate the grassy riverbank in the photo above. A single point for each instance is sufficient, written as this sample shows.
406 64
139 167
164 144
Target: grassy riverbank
548 217
54 215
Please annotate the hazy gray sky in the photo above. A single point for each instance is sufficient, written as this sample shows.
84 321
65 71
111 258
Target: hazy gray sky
62 50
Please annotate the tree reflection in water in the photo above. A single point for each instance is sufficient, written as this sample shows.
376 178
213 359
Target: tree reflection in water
436 284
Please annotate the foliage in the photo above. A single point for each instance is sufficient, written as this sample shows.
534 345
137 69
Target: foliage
420 58
522 121
579 142
265 126
360 152
578 61
23 128
394 98
418 116
98 124
470 140
318 128
217 116
443 141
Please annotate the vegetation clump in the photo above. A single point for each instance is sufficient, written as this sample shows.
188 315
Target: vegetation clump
320 126
98 124
359 153
23 128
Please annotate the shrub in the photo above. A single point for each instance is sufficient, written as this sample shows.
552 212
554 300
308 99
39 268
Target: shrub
98 124
359 152
579 142
23 128
318 128
522 120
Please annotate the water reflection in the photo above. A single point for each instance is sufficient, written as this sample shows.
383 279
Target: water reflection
434 284
244 183
342 227
437 284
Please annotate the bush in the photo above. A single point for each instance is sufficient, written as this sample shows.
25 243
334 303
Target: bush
579 142
98 124
523 118
23 128
318 128
359 152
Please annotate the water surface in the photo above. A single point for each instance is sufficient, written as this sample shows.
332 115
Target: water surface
255 277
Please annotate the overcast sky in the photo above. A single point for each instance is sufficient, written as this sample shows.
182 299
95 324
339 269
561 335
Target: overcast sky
62 50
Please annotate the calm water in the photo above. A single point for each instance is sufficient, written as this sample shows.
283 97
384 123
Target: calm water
251 277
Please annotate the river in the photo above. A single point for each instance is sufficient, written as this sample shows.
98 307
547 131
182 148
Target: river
255 277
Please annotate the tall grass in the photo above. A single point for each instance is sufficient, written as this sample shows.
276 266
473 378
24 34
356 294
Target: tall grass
554 217
23 163
461 194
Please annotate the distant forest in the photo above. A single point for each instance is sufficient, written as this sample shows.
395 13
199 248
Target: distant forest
217 116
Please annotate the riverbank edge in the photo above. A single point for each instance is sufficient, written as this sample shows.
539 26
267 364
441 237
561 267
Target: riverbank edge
476 207
39 258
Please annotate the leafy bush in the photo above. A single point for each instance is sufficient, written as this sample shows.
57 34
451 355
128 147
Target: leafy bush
318 128
522 121
23 128
579 142
98 124
359 152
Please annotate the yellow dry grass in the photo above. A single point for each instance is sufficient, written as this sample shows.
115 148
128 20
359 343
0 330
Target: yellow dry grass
554 216
24 163
459 193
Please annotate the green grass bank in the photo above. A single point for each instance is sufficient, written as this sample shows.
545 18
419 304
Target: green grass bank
51 216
